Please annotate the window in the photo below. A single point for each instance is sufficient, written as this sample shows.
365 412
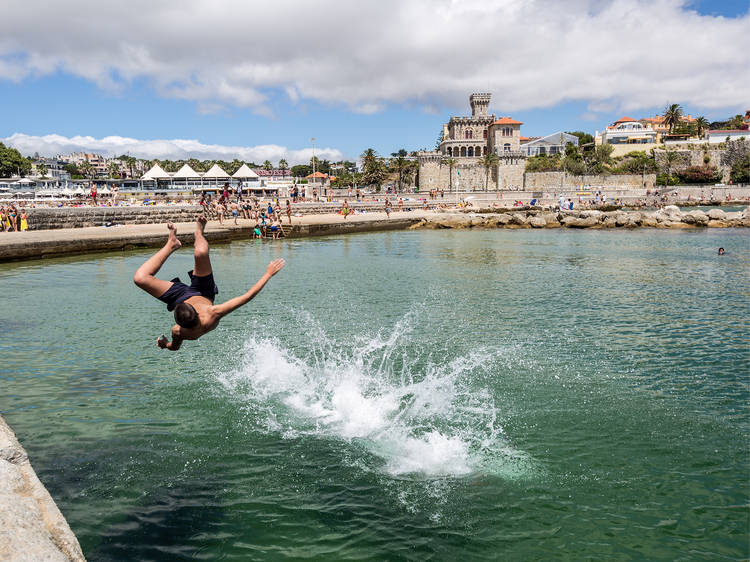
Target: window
506 147
484 134
468 134
471 151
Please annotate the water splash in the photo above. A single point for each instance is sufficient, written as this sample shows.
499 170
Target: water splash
418 415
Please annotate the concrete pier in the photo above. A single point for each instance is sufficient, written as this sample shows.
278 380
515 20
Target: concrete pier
36 244
31 525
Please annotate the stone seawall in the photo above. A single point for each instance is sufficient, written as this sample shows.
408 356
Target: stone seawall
562 181
49 218
31 525
668 217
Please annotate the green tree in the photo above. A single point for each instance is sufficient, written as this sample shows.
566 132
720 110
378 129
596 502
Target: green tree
373 170
301 170
672 115
87 170
283 165
451 163
42 170
736 122
489 161
113 169
701 124
267 165
671 159
400 165
12 163
585 140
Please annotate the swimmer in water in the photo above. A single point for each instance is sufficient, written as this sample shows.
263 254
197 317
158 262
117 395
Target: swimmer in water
193 305
721 251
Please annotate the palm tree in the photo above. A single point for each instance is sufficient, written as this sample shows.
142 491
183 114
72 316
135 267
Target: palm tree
451 163
113 169
87 170
672 115
400 164
670 159
701 124
42 169
489 161
283 166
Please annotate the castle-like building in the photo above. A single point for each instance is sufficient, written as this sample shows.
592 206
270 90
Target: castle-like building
469 139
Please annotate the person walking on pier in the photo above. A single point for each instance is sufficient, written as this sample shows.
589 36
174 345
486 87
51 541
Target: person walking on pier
193 305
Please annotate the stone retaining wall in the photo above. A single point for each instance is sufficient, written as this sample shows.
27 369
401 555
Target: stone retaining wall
48 218
556 180
31 525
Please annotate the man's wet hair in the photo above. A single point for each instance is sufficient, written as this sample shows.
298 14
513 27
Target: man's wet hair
185 315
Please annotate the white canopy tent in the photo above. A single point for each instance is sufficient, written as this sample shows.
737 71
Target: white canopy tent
79 191
156 173
104 190
245 173
215 173
186 172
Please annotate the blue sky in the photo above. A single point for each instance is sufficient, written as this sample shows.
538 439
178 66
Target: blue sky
349 98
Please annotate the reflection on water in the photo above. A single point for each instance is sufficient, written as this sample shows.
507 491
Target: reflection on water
398 395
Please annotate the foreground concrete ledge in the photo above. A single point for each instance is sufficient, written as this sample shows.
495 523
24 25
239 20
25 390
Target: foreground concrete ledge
49 243
31 526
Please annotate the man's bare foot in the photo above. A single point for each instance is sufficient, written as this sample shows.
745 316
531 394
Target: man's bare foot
173 236
201 222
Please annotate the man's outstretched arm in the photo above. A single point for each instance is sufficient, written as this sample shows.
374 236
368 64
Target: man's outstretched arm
173 345
232 304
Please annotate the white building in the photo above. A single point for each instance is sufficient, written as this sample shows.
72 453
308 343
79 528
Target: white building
721 135
627 131
551 144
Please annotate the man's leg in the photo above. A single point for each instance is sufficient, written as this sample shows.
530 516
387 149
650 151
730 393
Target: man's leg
202 261
144 276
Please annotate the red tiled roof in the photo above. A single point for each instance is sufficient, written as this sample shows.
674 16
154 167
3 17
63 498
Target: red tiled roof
624 120
317 175
729 131
507 121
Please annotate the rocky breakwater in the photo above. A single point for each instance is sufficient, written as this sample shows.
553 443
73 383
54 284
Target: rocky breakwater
31 525
668 217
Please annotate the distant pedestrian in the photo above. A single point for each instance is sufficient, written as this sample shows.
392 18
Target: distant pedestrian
289 211
93 193
345 209
25 225
387 208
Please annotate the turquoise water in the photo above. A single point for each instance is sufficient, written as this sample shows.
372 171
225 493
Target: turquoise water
521 395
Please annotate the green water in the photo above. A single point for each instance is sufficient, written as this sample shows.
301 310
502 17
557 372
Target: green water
519 395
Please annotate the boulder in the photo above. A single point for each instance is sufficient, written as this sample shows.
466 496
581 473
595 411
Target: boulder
649 221
700 218
503 219
580 222
518 218
718 224
717 215
551 219
537 222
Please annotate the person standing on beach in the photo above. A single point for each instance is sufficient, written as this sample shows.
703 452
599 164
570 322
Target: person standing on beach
193 305
289 211
93 193
115 193
387 208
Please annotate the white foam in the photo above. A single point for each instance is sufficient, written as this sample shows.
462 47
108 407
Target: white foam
430 420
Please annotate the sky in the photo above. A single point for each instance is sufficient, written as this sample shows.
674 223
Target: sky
235 79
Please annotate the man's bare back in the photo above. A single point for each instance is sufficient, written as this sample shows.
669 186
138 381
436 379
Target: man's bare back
193 306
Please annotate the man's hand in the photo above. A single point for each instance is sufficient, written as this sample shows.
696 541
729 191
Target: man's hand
162 341
275 266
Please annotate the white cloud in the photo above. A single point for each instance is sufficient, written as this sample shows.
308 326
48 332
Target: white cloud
626 54
51 145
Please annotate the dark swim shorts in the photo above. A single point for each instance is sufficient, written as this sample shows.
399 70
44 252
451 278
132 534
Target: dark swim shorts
199 286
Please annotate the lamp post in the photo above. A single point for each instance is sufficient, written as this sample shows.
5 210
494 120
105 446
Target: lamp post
313 159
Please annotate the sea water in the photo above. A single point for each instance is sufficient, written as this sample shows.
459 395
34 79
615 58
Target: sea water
403 395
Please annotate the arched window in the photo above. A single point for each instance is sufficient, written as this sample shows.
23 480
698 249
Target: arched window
468 134
507 131
484 151
463 151
506 147
471 151
484 134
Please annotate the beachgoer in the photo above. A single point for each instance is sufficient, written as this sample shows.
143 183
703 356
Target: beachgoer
193 305
721 251
115 193
400 204
387 208
25 223
235 211
289 211
93 193
345 209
